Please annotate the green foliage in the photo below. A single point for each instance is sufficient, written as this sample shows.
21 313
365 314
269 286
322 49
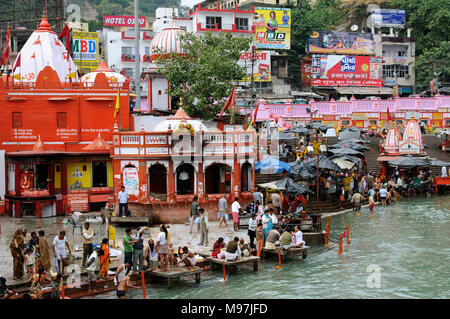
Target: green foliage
429 21
205 75
126 7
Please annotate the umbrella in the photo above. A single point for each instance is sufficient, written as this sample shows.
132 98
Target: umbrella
287 184
320 126
284 135
437 162
271 165
345 150
299 130
409 162
355 146
349 158
343 163
324 163
352 129
301 169
355 140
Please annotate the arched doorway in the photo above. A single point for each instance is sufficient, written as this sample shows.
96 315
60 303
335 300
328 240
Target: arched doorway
157 175
246 177
185 175
218 179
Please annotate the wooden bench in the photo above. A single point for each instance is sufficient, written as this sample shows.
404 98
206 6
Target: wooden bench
178 272
293 251
231 266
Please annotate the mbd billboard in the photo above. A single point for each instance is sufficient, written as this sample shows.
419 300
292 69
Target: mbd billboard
85 51
272 28
344 70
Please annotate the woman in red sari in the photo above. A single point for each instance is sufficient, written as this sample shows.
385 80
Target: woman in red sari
218 245
104 259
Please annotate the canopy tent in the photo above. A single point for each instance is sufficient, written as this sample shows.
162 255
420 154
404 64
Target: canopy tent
324 163
288 185
320 126
354 140
284 135
271 165
349 158
343 164
438 163
409 162
345 150
299 130
354 146
347 134
301 169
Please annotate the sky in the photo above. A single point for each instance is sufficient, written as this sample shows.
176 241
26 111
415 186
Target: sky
190 3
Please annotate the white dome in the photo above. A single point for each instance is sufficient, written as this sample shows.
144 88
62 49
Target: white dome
166 41
173 124
112 76
43 48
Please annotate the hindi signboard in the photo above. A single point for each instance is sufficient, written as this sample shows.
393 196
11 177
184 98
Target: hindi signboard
78 200
272 28
351 43
85 51
389 18
344 70
261 66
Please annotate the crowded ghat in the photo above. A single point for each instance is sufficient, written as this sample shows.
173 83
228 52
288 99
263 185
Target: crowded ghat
305 175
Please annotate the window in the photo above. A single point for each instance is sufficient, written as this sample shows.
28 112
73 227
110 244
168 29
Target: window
147 50
241 23
373 122
17 120
212 21
61 120
395 70
400 122
99 174
345 122
129 72
447 122
128 53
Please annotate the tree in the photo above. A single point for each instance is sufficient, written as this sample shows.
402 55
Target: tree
429 23
205 74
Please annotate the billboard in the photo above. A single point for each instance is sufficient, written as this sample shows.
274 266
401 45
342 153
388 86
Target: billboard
261 66
344 70
85 51
272 28
390 18
122 21
306 73
350 43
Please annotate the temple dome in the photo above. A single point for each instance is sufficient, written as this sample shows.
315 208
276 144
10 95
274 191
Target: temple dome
413 133
180 117
167 41
43 48
113 77
391 145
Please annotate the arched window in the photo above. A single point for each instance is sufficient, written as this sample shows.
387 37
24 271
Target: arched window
157 175
246 177
185 175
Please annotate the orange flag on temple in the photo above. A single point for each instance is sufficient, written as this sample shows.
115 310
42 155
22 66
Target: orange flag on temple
389 115
5 55
230 102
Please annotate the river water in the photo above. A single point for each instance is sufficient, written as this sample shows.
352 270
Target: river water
408 242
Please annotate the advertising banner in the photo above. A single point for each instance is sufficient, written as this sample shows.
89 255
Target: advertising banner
344 70
272 28
131 180
122 21
331 42
389 18
85 51
261 66
306 73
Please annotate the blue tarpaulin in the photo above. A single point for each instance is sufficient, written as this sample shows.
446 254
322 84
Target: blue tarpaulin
271 165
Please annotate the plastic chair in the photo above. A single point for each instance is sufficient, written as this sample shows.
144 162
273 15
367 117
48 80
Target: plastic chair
74 226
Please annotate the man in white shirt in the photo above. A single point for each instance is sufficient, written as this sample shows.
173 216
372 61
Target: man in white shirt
252 223
204 225
88 240
235 209
123 202
59 250
444 172
258 196
223 205
91 267
276 201
298 237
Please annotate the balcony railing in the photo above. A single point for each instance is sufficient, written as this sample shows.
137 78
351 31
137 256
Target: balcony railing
224 27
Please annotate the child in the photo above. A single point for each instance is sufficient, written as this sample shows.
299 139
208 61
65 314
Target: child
171 256
104 260
29 262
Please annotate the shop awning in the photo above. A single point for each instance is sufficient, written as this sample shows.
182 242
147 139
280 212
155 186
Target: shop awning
365 90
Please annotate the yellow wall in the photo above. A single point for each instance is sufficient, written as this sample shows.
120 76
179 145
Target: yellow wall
58 177
85 179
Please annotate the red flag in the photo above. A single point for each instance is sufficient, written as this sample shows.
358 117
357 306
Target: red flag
17 64
389 115
230 102
5 55
65 33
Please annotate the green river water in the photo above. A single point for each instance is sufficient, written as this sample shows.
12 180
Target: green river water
408 241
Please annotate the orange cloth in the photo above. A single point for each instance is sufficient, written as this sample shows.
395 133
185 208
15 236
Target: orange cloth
104 261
